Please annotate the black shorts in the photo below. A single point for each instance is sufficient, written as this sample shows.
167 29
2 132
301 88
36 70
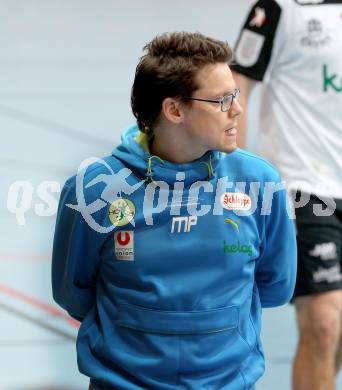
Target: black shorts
319 241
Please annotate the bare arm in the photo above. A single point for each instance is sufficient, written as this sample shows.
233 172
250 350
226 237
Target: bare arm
246 85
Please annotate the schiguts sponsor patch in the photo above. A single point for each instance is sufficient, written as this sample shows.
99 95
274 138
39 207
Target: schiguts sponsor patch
236 201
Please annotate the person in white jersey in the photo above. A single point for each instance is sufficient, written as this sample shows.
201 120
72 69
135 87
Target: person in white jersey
294 47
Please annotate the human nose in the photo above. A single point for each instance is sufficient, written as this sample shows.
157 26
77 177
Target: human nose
235 109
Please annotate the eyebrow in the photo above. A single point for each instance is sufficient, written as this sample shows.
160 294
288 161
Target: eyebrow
224 93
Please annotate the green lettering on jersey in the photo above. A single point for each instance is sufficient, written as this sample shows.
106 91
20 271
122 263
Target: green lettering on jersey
331 80
237 248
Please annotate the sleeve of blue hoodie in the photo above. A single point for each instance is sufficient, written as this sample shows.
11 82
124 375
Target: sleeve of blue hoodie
75 257
276 267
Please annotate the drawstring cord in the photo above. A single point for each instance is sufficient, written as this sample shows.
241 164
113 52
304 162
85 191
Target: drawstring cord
209 165
149 173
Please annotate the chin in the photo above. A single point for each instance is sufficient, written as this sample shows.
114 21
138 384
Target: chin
229 148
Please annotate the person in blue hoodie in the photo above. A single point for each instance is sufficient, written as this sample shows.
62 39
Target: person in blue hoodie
168 249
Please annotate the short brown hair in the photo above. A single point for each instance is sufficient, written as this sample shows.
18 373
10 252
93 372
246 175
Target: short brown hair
168 70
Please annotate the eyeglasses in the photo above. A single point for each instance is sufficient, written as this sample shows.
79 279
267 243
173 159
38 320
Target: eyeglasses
226 101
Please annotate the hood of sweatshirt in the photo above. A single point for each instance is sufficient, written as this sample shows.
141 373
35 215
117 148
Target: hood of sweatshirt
134 154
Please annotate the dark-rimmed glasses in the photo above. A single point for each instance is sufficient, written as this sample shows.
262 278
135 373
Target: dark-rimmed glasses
226 101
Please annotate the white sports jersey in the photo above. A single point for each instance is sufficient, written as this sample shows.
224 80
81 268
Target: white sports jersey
295 47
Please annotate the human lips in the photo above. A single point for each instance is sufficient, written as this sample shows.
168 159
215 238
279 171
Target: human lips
231 131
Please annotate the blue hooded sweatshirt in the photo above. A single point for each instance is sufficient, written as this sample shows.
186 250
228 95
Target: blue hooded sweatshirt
168 266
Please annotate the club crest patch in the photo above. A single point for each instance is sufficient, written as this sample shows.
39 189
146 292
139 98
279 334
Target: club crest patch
121 212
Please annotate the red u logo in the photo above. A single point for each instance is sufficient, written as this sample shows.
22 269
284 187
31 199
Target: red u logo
123 241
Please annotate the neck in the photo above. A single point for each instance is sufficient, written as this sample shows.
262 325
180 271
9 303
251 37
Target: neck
172 145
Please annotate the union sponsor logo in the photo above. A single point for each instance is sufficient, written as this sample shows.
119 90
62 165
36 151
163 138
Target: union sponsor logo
124 245
123 238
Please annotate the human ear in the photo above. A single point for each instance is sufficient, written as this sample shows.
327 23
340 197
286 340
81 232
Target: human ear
172 110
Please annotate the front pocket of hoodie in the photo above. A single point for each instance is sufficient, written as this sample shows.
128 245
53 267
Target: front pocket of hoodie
150 320
200 345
